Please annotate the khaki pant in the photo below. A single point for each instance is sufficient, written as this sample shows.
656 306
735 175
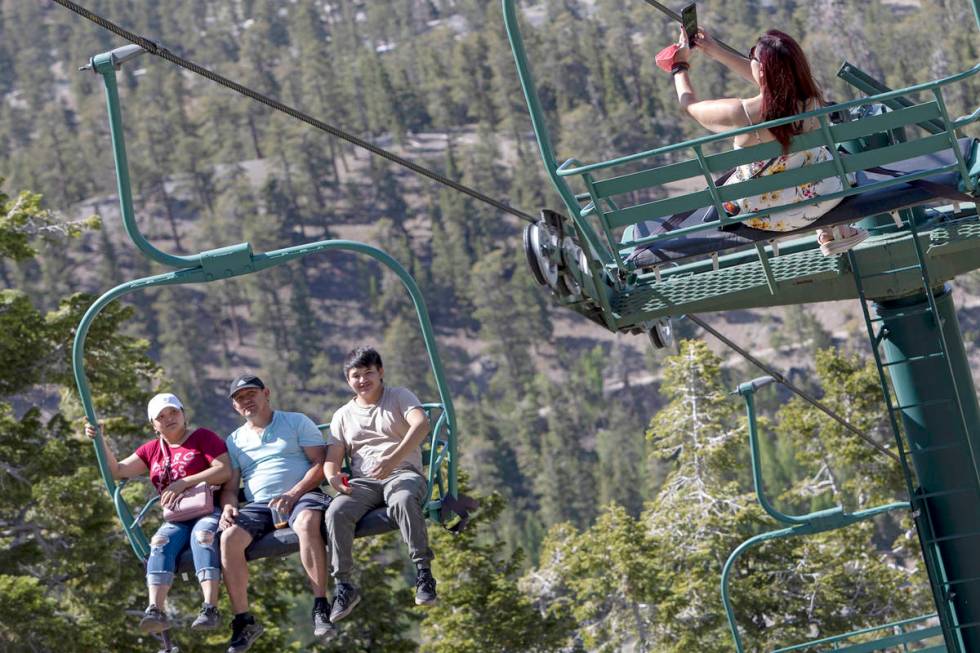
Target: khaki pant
403 493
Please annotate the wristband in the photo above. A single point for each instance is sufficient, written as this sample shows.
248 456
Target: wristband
679 66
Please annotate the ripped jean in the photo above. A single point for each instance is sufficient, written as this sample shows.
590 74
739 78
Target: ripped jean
171 538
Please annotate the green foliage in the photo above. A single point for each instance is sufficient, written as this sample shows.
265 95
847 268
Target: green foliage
621 473
565 479
62 587
801 328
696 428
481 608
849 472
704 511
22 342
652 584
22 219
694 519
606 576
23 601
511 316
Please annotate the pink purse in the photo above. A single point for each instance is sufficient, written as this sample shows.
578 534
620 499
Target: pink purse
195 502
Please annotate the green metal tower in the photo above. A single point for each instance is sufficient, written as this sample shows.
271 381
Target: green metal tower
630 255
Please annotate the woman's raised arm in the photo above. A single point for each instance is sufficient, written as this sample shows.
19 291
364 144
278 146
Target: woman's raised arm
741 66
714 115
130 467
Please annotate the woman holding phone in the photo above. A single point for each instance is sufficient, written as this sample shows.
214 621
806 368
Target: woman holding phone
178 460
779 69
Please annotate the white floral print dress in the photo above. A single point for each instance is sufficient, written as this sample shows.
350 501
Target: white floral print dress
798 216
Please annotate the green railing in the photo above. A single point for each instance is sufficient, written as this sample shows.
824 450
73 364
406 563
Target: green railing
828 136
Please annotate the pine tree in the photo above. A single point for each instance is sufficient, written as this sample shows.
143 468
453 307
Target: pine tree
608 594
566 482
482 609
704 511
60 588
513 320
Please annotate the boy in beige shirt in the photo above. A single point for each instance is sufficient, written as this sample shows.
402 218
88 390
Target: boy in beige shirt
381 430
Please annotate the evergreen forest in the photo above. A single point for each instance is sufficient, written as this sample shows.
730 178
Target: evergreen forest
614 479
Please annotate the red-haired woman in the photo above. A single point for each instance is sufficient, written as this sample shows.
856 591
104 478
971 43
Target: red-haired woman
777 65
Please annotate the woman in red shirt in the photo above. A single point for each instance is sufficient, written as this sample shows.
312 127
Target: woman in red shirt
179 458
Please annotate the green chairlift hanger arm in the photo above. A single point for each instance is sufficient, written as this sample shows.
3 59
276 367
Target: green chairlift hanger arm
808 524
213 265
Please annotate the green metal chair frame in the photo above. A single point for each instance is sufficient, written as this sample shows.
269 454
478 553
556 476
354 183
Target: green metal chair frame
895 635
809 524
225 263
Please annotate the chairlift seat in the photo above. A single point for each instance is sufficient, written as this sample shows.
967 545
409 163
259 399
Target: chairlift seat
284 542
851 209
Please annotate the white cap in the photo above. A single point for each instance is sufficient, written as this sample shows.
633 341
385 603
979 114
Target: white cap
161 401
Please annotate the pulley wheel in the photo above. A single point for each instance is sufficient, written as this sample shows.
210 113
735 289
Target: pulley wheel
529 253
545 270
661 333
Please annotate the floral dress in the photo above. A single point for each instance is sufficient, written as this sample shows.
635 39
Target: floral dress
797 216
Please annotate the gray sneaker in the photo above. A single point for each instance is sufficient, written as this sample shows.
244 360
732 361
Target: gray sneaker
243 635
345 599
425 588
207 619
154 620
322 628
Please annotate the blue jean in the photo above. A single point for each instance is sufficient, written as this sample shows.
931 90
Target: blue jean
171 538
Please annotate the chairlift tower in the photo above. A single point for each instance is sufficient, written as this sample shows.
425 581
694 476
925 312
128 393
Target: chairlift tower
630 255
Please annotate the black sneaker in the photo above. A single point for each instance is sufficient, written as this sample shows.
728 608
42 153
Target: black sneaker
243 635
322 628
207 619
425 588
154 620
344 601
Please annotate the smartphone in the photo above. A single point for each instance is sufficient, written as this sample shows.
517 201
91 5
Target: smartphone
689 18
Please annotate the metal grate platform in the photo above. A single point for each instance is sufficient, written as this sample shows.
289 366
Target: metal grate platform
801 274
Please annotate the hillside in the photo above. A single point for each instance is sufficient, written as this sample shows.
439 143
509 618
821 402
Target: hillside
560 420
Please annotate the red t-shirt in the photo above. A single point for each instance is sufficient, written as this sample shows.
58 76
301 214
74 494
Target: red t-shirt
193 456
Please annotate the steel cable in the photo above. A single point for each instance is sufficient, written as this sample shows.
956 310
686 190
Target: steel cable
166 54
792 388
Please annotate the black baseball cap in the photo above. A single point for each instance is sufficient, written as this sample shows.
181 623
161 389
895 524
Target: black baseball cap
243 381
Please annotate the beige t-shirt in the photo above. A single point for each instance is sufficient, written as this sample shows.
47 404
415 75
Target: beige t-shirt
368 433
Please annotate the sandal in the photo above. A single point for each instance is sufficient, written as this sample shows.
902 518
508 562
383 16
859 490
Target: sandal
840 244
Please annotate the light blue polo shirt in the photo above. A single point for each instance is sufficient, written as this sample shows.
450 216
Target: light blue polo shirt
274 462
